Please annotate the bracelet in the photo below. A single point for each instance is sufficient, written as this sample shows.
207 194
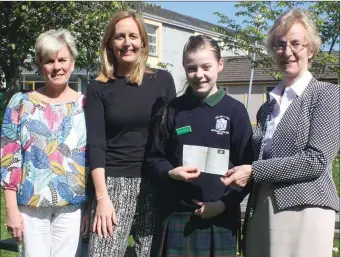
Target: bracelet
100 198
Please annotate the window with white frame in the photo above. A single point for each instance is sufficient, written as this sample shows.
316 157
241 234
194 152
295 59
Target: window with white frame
151 30
268 90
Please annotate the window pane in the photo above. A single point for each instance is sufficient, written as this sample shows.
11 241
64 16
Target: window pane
28 86
151 29
268 90
152 39
152 49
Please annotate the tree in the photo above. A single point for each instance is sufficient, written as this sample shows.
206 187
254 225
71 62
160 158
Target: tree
22 22
326 15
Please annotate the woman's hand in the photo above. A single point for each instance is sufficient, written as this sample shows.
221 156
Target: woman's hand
184 173
105 217
238 175
15 223
209 209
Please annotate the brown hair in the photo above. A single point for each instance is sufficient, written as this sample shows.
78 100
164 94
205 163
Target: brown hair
108 59
197 42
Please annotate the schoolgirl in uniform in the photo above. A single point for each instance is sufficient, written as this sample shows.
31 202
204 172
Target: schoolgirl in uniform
199 216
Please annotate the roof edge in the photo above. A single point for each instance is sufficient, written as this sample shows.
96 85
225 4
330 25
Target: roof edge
182 25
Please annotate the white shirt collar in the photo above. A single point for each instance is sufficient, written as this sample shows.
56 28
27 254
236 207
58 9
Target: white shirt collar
301 83
298 87
277 92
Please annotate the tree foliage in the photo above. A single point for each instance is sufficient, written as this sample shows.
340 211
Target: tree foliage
22 22
326 16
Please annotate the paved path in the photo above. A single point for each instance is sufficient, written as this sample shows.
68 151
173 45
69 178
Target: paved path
243 205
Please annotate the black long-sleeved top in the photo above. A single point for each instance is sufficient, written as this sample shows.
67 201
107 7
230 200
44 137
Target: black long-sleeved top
165 147
117 118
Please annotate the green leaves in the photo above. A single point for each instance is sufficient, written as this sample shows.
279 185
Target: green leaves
164 65
22 22
326 16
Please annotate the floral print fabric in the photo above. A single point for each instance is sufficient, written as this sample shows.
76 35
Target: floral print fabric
43 148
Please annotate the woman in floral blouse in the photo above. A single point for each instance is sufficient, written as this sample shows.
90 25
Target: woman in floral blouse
43 143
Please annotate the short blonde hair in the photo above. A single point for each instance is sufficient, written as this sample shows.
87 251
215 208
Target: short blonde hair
287 19
108 58
52 41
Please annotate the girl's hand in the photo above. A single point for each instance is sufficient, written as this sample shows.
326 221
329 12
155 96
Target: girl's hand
209 209
15 223
85 226
105 218
238 175
184 173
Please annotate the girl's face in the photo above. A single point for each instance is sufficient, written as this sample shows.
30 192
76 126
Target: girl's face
202 68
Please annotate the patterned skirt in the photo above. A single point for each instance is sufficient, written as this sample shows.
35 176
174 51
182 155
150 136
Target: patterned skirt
182 234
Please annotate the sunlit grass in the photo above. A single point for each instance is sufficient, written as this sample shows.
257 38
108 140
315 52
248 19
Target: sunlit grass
3 231
336 173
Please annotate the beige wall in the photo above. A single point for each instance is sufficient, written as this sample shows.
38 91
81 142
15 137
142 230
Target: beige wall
256 100
240 93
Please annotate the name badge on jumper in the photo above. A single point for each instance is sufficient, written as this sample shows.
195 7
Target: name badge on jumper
183 130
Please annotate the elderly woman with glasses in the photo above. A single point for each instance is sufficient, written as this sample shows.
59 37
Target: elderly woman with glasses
291 209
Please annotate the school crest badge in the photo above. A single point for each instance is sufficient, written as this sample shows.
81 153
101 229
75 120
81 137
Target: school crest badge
221 125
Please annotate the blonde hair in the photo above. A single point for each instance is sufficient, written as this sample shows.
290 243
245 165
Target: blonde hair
52 41
108 58
287 19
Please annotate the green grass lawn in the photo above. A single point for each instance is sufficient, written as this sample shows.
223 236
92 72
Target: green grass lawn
3 231
336 253
4 234
336 177
336 173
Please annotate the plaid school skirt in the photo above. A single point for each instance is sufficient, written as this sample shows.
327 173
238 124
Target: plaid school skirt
182 234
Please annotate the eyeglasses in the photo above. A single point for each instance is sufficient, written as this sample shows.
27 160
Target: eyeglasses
281 47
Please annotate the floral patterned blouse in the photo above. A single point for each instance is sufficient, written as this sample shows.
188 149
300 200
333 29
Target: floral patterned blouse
43 149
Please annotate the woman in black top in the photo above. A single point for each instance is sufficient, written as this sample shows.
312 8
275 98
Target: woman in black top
199 215
119 106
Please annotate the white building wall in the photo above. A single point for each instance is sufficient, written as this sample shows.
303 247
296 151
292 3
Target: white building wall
174 39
